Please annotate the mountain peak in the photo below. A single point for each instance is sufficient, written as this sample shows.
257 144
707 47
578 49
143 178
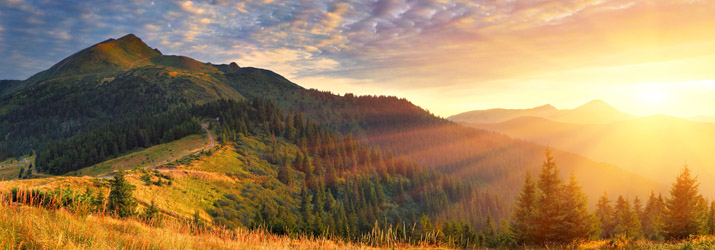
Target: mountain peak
595 104
545 107
110 55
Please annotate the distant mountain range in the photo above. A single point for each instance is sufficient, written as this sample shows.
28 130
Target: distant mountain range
595 111
656 146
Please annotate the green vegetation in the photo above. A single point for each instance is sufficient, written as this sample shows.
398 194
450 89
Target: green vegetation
121 200
151 157
550 212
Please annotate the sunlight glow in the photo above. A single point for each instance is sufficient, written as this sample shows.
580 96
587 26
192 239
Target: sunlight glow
654 96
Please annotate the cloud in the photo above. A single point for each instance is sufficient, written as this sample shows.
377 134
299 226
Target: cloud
191 8
461 44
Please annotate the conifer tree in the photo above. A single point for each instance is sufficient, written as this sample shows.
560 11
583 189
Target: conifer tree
285 174
490 233
682 215
604 212
121 202
151 214
711 219
627 223
98 202
306 210
653 218
578 221
524 213
550 217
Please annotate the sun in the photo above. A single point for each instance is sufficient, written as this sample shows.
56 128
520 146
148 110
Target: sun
653 96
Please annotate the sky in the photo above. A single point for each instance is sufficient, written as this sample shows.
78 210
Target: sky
448 56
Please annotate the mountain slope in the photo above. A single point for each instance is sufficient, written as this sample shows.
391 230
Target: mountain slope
595 111
656 146
78 119
111 55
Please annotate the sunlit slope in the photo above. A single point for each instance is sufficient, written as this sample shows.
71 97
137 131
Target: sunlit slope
110 55
656 147
595 111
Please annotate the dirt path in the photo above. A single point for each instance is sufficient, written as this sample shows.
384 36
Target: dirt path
205 126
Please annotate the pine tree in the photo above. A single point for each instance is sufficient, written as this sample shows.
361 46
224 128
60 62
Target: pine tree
490 233
285 174
653 218
682 208
306 210
604 212
578 221
121 202
550 217
98 202
524 213
711 219
627 223
151 214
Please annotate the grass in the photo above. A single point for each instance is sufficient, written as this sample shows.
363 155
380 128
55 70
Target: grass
26 227
149 157
9 169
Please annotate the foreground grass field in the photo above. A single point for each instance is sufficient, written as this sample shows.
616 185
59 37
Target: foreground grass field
23 227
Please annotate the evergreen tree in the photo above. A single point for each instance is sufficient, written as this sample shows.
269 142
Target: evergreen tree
578 221
682 215
653 218
524 213
151 213
306 210
550 217
627 223
22 171
604 212
285 174
98 202
711 219
121 202
490 233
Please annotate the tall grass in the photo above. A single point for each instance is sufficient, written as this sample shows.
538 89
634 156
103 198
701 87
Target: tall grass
32 221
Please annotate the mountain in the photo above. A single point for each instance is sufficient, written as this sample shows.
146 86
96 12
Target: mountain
76 117
656 146
595 111
6 85
703 118
106 83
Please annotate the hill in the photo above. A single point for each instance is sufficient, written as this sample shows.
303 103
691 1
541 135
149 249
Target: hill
656 146
595 111
371 158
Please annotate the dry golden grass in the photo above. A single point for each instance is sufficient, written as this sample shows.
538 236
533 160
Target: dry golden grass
26 227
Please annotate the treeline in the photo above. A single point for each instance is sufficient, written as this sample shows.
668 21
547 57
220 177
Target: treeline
62 108
549 211
686 213
109 141
336 184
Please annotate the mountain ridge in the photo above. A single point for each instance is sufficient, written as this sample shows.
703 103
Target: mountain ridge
594 111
